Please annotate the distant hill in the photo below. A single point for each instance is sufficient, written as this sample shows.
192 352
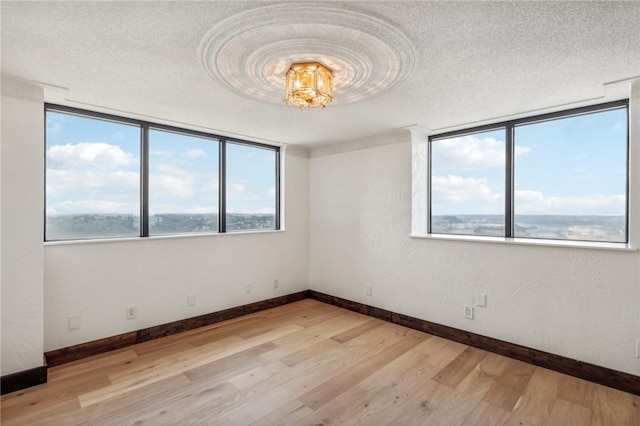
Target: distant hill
88 226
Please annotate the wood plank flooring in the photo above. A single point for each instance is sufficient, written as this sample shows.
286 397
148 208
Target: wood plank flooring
310 363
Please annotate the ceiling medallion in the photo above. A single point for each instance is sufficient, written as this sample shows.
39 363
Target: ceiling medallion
250 53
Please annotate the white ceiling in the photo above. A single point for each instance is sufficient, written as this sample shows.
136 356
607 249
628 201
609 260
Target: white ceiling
220 65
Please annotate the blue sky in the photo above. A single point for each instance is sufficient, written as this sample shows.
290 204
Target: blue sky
93 166
568 166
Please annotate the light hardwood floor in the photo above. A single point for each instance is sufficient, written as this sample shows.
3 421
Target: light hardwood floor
310 363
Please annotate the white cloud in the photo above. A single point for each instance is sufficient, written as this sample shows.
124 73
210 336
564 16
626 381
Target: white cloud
535 202
211 184
195 153
265 210
271 192
171 208
168 168
168 179
93 206
82 182
239 191
471 152
201 209
253 210
162 153
456 190
239 188
87 155
171 185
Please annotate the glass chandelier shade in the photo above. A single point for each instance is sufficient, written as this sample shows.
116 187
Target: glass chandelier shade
309 85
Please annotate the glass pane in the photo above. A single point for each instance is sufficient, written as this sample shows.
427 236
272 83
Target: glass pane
183 183
92 178
468 184
251 188
570 182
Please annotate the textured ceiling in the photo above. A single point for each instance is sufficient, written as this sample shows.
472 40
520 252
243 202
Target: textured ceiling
220 65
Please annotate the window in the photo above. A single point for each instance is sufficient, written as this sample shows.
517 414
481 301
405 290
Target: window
560 176
467 184
183 183
251 188
110 177
93 178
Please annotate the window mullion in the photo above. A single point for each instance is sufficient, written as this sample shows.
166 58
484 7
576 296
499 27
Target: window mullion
278 183
429 192
144 181
222 188
509 182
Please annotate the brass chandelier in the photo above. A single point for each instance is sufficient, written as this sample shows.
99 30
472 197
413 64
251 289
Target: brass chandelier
309 85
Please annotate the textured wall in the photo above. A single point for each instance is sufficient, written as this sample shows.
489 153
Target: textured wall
22 227
42 284
580 303
98 280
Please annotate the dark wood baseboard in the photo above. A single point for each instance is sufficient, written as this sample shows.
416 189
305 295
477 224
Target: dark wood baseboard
83 350
605 376
597 374
23 379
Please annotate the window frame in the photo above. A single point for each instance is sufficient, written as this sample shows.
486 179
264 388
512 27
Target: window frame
509 127
145 127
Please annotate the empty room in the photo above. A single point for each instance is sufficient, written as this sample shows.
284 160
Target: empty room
320 212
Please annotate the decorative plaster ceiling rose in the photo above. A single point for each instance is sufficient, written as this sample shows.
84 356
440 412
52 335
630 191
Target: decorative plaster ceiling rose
250 52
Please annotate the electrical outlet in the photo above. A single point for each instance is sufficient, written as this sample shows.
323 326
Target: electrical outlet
481 300
132 312
74 322
191 300
468 312
247 288
637 348
276 283
369 290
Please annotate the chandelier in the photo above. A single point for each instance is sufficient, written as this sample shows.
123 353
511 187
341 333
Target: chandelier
309 85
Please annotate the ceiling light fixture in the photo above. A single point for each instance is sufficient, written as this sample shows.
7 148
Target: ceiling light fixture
309 85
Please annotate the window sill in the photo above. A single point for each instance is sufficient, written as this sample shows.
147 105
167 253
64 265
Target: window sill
157 237
531 242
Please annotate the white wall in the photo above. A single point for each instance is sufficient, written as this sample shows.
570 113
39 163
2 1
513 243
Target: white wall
42 284
579 303
22 253
98 280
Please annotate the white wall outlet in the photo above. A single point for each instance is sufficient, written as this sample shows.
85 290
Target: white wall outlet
132 312
481 300
468 312
637 348
247 288
191 299
276 283
74 322
369 290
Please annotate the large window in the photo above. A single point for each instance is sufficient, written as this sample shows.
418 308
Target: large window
467 184
93 178
109 177
560 176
